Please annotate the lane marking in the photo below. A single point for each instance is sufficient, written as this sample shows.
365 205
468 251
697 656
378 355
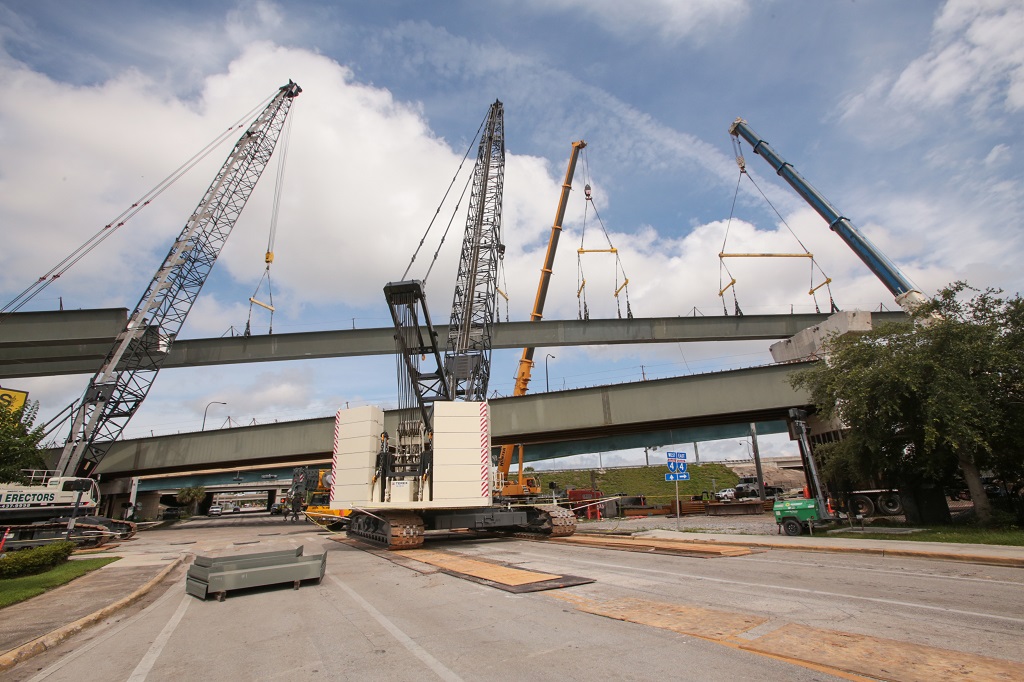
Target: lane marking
147 662
115 630
801 590
405 640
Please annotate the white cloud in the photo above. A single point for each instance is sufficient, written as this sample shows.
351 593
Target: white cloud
975 61
669 20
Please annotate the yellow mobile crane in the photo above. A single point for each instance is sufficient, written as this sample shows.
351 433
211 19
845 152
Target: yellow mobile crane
528 486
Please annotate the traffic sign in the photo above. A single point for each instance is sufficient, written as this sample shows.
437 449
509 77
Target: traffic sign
676 455
677 467
685 476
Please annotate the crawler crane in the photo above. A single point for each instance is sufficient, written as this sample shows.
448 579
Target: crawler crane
117 390
435 474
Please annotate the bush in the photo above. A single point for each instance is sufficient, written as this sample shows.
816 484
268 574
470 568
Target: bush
35 560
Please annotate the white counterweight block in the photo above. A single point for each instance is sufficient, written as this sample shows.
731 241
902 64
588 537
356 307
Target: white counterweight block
356 442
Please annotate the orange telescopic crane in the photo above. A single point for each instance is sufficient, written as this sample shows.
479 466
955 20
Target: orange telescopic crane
522 487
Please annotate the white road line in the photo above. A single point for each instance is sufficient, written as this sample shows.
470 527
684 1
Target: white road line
79 651
801 590
147 662
405 640
913 574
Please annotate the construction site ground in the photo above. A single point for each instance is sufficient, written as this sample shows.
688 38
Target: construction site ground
48 632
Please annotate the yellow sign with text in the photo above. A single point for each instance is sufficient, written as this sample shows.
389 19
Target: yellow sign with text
12 400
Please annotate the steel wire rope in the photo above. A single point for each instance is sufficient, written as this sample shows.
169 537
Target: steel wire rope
111 227
275 211
437 212
737 149
611 248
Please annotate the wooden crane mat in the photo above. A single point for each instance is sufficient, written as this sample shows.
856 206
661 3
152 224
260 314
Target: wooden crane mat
655 545
490 573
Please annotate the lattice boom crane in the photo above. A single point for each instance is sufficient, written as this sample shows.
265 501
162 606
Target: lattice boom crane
117 390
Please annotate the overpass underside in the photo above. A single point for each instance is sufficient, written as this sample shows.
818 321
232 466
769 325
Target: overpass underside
663 411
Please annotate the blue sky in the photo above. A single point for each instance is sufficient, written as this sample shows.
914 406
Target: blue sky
905 115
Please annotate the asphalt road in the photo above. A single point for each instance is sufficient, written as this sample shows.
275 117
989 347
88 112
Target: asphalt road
645 616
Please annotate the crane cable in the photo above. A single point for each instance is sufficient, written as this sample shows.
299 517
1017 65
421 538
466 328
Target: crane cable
741 163
437 212
581 280
275 211
54 273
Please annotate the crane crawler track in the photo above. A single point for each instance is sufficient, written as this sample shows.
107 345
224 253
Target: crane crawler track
550 520
390 530
89 532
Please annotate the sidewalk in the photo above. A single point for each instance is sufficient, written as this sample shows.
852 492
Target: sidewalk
992 555
33 626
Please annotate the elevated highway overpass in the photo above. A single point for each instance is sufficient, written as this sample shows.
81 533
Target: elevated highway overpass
683 409
76 341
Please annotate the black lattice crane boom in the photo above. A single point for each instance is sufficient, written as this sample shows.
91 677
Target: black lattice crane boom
468 353
117 390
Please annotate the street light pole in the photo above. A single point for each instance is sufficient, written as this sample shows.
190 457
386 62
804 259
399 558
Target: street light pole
212 402
547 385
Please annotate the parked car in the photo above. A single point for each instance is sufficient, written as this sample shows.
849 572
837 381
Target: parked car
236 508
277 508
171 513
215 510
726 494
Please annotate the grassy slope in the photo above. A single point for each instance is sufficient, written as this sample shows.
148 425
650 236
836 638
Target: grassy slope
14 590
649 481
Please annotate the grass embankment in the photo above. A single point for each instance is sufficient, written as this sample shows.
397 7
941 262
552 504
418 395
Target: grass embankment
648 481
14 590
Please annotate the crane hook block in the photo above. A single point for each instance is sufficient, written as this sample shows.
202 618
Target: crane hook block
586 192
269 258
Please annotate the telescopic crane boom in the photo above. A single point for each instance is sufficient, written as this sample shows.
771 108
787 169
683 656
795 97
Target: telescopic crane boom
117 390
505 487
907 296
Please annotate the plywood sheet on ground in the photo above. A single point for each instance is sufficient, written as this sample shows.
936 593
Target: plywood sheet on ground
478 569
686 620
883 659
654 544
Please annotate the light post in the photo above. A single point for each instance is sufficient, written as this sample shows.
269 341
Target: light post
212 402
547 385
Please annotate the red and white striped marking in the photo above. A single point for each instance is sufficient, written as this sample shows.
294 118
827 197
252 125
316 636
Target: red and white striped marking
485 452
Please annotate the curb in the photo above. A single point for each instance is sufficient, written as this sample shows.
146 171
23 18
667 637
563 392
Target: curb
1012 562
52 639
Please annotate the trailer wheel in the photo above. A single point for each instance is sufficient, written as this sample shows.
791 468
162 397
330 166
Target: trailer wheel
862 505
791 526
889 504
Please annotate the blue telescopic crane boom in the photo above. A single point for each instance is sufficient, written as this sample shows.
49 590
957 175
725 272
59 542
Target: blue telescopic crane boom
906 294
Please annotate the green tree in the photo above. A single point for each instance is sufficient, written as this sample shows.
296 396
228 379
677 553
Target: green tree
192 496
941 392
19 442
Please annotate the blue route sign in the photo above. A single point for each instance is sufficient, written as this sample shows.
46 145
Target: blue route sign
681 456
676 467
685 476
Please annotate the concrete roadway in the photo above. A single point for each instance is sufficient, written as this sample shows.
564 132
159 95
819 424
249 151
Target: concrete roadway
372 619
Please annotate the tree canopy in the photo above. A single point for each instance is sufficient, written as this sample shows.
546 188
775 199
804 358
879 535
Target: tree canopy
944 390
19 442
